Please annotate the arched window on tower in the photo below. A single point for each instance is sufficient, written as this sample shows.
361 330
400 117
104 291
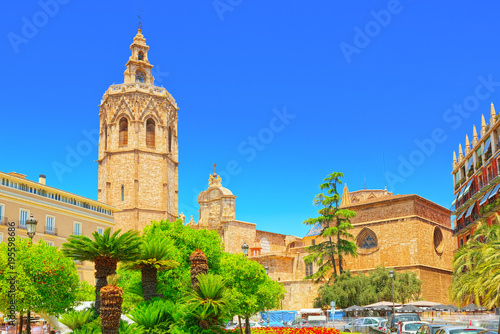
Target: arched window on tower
150 133
139 76
367 239
105 137
140 56
123 134
169 139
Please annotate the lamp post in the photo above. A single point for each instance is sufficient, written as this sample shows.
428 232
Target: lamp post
244 248
31 230
31 226
266 268
391 273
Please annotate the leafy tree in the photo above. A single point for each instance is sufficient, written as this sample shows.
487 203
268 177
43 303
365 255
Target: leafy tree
476 269
252 289
105 251
348 289
155 255
335 223
46 281
86 292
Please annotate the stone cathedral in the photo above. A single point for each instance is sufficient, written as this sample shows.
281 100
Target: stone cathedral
138 174
138 147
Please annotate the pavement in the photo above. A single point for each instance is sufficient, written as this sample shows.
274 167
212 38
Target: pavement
12 329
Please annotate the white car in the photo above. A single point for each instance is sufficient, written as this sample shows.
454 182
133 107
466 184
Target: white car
411 327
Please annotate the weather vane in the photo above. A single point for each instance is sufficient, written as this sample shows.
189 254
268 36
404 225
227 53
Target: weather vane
140 19
215 165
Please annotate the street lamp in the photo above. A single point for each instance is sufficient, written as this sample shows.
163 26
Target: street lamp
266 268
31 226
245 247
391 273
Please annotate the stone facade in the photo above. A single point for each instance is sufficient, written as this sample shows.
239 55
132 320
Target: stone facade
403 232
59 214
138 146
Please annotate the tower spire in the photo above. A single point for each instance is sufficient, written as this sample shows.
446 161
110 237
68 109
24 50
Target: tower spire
345 199
460 153
483 126
492 114
474 136
138 66
454 160
467 145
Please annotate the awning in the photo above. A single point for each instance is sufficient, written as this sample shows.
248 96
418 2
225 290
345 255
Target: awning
471 207
461 215
494 191
463 189
485 198
487 144
452 206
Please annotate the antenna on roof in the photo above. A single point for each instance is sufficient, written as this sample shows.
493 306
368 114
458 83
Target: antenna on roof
385 178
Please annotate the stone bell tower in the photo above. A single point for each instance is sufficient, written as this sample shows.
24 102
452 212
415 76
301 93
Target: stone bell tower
138 148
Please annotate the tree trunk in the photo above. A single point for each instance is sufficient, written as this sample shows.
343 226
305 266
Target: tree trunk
104 266
111 308
198 266
239 322
333 259
149 282
247 325
20 323
341 270
28 322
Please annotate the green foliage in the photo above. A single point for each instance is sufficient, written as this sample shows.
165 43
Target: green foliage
76 319
46 281
348 289
476 269
335 223
154 315
155 251
252 289
119 246
174 283
85 293
209 303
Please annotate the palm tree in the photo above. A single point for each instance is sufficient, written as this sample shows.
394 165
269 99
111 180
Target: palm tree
198 266
476 268
155 255
210 302
105 251
111 309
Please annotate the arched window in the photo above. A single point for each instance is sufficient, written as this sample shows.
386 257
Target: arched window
123 132
139 76
266 248
366 239
105 137
140 56
150 133
438 240
169 139
123 193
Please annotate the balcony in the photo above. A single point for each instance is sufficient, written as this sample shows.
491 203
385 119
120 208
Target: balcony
4 221
52 231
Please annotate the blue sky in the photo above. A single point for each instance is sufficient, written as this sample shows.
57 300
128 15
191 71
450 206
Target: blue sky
353 83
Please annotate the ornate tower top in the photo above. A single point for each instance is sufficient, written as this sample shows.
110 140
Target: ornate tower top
138 66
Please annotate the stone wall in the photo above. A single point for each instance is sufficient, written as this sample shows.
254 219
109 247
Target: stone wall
276 241
235 233
299 294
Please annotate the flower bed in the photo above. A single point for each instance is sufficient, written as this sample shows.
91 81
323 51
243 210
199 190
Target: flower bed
284 330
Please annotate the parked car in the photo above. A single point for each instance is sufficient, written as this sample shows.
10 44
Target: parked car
349 327
431 328
459 330
395 318
361 325
315 321
411 327
381 325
